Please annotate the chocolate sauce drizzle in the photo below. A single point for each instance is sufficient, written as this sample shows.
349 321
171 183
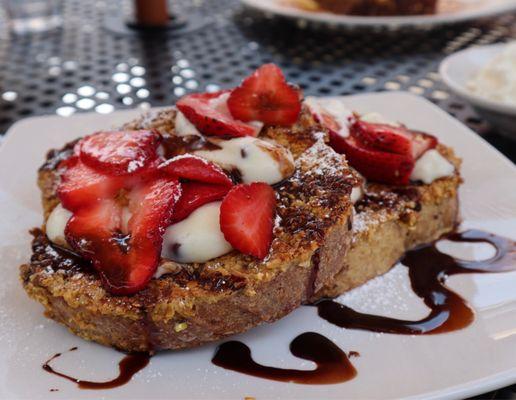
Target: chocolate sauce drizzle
333 365
428 270
128 367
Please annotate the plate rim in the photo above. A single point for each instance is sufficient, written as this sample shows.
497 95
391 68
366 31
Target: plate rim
272 6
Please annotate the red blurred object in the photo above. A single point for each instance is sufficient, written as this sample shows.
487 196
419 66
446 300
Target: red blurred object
152 13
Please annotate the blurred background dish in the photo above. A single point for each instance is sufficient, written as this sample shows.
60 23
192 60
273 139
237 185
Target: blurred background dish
32 16
421 13
482 76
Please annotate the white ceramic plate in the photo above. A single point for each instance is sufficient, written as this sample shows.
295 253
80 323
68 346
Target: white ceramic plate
449 12
477 359
459 68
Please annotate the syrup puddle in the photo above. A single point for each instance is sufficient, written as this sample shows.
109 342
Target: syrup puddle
333 365
429 269
128 367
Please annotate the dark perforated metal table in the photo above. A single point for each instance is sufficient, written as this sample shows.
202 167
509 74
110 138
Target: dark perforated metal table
91 64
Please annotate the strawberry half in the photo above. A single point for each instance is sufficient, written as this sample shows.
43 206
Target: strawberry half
375 165
266 96
196 195
421 142
125 262
202 110
247 218
121 152
82 186
92 228
195 168
393 139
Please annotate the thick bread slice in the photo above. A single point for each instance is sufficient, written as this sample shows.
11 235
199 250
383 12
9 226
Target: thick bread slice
199 303
388 221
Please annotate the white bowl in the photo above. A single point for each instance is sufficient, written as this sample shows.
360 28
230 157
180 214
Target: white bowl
459 68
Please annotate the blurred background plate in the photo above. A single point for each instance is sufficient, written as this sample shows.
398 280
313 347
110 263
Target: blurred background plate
449 12
459 68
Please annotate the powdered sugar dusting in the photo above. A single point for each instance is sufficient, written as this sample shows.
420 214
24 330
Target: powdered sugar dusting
388 295
135 165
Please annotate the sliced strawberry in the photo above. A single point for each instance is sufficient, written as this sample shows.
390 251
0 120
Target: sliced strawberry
82 186
266 96
195 168
422 142
211 118
393 139
375 165
125 262
153 206
120 152
195 195
91 228
247 218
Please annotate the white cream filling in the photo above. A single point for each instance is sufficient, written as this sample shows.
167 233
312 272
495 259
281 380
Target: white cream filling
497 80
257 160
377 118
56 224
431 166
183 127
334 108
197 238
357 193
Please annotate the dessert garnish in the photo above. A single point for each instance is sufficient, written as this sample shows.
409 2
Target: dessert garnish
214 119
126 259
121 198
119 153
195 195
247 218
381 151
195 168
266 96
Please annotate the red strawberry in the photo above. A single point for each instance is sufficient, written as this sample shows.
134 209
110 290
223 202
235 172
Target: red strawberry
392 139
422 142
247 218
81 186
195 168
200 110
119 153
375 165
195 195
125 262
92 228
266 96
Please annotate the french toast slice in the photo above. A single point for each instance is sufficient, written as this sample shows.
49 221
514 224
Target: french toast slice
194 304
389 221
